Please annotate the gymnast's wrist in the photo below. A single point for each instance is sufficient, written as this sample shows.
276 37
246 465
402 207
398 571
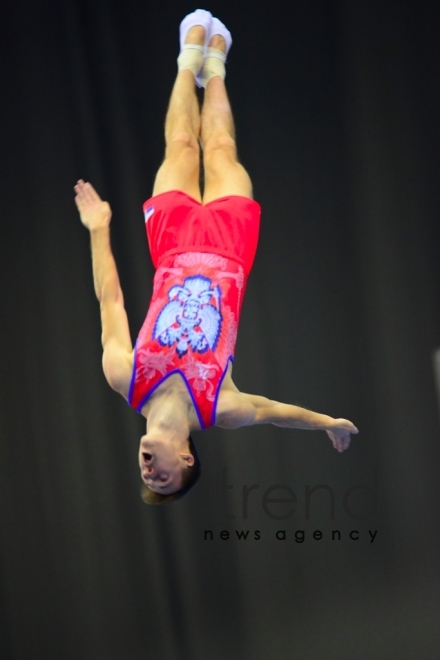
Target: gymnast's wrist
101 229
328 423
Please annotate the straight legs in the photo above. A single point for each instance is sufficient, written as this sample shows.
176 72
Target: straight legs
184 127
181 167
224 175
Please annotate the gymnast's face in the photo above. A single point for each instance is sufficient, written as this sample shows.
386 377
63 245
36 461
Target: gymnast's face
161 465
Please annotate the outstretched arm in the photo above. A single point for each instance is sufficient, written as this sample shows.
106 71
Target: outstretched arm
294 417
242 409
96 214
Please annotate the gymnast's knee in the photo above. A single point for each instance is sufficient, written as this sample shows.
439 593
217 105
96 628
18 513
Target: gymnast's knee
219 148
182 144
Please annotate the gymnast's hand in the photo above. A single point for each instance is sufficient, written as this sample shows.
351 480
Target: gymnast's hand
94 213
339 433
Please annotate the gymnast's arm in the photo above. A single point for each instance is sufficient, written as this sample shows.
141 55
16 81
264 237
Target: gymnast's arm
116 341
240 409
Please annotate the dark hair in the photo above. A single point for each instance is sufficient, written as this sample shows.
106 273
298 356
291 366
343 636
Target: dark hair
190 476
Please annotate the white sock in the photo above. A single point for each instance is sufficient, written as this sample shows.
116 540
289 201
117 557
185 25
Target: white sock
191 57
214 65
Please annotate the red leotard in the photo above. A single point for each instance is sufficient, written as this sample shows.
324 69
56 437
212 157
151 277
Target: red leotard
203 256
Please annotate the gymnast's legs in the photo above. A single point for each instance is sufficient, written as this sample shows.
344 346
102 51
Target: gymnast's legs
186 129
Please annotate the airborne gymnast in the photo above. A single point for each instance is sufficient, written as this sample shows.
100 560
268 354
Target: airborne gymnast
179 374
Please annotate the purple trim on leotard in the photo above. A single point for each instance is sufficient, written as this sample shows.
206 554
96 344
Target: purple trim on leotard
214 409
133 375
188 387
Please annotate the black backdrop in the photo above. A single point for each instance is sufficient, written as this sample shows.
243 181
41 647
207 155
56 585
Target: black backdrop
337 107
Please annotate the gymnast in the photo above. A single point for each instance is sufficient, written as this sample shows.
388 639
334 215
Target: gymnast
179 375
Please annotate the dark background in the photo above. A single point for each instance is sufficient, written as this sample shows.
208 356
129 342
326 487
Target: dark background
337 107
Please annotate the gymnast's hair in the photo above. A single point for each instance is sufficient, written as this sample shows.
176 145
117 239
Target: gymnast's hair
190 476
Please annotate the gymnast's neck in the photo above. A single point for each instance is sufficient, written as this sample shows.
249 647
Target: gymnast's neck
168 414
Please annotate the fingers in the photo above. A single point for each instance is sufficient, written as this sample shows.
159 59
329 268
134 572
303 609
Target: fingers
334 443
79 188
85 194
81 195
346 442
335 439
340 442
